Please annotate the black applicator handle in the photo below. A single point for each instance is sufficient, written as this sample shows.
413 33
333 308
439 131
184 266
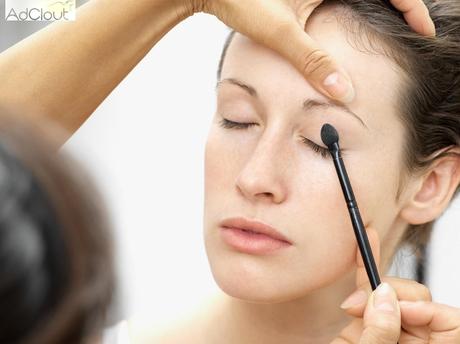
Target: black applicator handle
357 222
330 138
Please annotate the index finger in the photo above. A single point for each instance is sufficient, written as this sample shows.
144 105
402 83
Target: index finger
320 69
417 16
361 273
438 317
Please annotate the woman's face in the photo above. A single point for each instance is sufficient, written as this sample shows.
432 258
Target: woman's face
267 173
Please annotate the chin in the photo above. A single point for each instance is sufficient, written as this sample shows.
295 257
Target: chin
270 279
250 279
250 293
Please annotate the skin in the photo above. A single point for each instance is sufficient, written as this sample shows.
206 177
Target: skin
266 173
96 51
93 59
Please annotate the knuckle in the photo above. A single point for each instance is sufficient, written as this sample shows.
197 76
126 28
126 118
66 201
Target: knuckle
452 336
423 292
391 279
314 60
200 5
382 331
191 7
370 337
384 325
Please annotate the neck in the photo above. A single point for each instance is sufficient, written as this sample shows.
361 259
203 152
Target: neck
315 318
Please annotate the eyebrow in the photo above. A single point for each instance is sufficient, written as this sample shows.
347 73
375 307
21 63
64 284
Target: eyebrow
307 104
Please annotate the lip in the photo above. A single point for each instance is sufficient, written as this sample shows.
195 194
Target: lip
252 236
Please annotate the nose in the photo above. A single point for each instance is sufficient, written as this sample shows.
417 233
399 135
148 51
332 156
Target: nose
262 177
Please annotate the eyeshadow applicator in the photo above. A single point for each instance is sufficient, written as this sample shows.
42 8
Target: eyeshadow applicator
330 138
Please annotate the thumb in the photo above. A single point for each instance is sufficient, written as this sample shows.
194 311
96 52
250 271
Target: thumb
382 317
316 65
276 26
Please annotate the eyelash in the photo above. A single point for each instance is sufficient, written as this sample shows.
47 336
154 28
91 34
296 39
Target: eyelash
225 123
324 152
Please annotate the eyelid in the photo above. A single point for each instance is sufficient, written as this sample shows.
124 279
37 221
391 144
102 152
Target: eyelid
227 124
240 109
313 142
312 104
323 151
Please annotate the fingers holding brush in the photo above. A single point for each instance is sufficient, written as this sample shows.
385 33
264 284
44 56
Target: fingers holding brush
380 310
399 311
388 320
406 289
429 322
382 317
381 322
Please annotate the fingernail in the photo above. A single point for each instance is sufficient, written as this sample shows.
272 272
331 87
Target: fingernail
359 297
339 87
384 298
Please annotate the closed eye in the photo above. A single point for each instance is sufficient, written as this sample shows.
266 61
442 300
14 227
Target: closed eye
323 151
225 123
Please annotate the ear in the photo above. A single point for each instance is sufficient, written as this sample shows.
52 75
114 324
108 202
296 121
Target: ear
434 189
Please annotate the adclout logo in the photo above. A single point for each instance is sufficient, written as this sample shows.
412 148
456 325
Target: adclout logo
40 10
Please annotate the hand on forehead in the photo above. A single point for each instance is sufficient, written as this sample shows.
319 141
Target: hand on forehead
376 78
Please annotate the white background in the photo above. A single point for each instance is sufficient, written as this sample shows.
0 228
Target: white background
145 144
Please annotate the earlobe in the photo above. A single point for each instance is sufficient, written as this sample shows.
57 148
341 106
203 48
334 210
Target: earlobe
435 190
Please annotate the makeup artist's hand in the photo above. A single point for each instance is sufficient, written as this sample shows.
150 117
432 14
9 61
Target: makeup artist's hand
279 24
399 310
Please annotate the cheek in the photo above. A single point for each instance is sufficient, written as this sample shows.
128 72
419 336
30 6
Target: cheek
225 155
220 165
375 188
324 230
327 242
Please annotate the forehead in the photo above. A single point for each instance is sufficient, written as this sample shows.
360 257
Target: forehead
376 78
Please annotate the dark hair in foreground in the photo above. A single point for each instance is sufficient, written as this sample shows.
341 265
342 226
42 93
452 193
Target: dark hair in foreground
429 100
56 274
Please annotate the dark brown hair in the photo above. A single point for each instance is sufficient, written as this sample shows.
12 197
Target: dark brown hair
429 100
55 245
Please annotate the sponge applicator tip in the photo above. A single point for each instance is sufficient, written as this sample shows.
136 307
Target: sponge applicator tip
329 135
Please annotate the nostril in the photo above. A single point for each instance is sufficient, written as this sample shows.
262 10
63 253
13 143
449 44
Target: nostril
267 194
